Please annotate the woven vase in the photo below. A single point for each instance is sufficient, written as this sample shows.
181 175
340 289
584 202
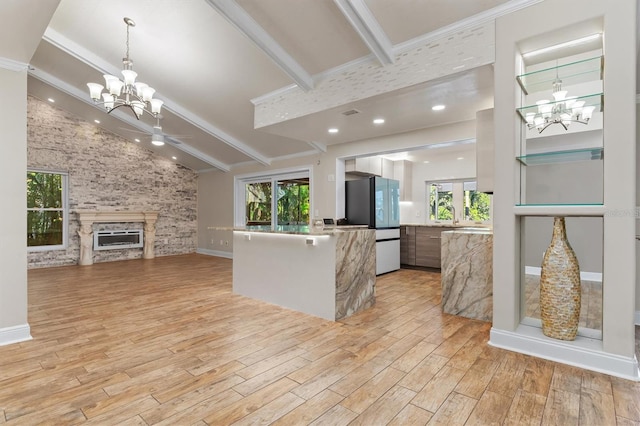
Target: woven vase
560 286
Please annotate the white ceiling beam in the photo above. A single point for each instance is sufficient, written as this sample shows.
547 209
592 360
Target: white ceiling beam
319 146
125 118
11 65
368 28
239 18
104 67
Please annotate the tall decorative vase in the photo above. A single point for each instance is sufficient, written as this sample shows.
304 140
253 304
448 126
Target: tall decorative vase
560 286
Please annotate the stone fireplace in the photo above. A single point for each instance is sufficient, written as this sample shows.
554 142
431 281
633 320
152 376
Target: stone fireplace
88 217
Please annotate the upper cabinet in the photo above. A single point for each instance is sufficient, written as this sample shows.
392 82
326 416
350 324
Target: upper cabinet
402 172
366 166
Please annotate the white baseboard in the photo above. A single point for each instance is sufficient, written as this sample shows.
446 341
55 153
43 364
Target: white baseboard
217 253
15 334
583 352
585 276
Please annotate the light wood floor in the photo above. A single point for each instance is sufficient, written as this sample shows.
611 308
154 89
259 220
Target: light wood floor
164 341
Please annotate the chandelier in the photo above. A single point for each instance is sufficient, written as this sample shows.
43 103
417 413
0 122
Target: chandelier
562 110
137 96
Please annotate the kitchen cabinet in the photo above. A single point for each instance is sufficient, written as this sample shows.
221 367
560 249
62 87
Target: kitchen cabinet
364 166
428 241
402 172
387 168
408 245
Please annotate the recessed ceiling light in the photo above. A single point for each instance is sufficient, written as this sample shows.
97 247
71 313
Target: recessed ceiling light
438 107
378 121
174 157
51 100
426 162
96 121
460 158
137 140
333 130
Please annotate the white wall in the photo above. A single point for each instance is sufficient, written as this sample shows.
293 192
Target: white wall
440 167
13 242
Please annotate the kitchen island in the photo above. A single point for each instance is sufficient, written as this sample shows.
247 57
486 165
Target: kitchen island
467 273
327 273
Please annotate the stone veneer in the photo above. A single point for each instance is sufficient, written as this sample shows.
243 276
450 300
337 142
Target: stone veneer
107 172
467 273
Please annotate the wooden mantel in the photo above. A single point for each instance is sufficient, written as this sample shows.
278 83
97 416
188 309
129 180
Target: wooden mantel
88 217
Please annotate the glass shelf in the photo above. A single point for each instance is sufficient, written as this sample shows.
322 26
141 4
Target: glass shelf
595 100
567 156
570 74
551 210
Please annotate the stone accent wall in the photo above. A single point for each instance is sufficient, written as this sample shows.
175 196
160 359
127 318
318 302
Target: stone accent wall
108 172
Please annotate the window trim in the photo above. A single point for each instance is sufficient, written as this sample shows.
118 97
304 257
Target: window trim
272 176
65 211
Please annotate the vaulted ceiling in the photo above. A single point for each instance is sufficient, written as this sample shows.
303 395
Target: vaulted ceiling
214 61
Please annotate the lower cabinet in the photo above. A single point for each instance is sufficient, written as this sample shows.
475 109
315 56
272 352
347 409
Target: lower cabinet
427 245
408 245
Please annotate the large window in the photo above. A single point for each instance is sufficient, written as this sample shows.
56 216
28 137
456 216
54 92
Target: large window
459 196
46 210
279 199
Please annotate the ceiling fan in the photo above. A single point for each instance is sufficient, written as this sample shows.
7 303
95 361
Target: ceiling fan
158 137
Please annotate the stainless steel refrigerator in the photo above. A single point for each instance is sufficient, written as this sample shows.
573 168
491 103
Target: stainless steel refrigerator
375 202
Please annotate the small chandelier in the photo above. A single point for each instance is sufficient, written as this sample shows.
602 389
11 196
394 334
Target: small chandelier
562 110
137 96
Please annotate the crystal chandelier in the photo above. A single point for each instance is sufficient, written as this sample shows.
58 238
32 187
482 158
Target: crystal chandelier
562 110
137 96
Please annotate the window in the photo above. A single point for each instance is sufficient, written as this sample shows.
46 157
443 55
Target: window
279 199
440 200
477 205
46 210
459 196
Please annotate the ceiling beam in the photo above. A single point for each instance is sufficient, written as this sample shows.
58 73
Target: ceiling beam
125 118
11 65
368 28
103 67
239 18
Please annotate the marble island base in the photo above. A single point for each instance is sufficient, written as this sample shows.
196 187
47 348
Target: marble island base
467 273
331 276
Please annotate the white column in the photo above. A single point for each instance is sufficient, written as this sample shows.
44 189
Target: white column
13 247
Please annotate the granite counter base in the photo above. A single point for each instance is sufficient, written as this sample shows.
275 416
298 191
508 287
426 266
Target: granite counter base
467 274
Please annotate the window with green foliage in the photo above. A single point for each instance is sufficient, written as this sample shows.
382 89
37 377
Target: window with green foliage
445 197
281 199
477 205
440 201
293 201
46 209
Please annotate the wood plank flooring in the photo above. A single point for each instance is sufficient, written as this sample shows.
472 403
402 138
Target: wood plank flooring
165 341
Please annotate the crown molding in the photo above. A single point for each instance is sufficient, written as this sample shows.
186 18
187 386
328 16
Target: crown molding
368 28
11 65
464 24
80 53
240 19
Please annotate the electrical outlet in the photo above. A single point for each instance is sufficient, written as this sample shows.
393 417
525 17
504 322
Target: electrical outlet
417 214
221 242
226 243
